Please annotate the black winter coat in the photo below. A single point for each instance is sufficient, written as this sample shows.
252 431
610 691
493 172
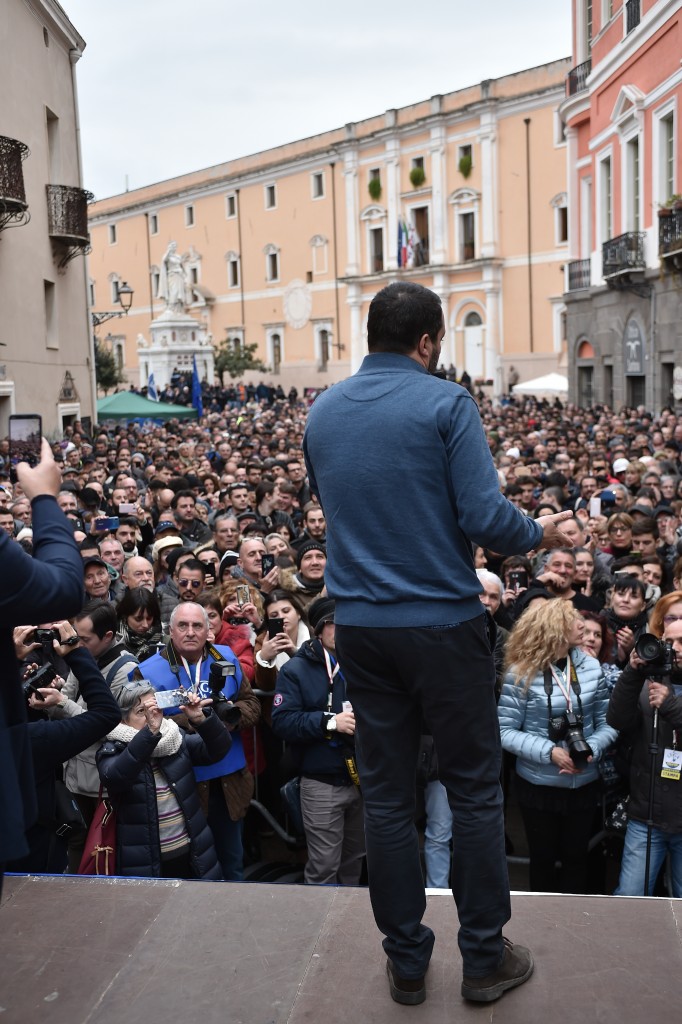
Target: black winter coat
126 772
629 711
298 712
53 742
40 589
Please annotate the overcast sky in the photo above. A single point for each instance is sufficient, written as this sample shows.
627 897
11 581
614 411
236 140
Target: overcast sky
169 86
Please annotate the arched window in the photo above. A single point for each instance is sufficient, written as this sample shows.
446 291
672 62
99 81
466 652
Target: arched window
472 320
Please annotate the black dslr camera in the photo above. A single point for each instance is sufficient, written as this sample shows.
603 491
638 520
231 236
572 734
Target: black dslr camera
42 677
569 727
218 674
659 655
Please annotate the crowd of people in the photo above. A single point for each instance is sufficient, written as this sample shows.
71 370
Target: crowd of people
207 617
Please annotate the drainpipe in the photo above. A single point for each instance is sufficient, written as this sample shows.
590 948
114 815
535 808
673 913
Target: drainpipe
526 121
74 57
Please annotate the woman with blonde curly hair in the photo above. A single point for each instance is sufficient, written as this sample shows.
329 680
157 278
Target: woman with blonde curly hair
551 686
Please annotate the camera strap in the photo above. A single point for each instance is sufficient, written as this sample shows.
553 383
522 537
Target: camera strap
331 673
564 685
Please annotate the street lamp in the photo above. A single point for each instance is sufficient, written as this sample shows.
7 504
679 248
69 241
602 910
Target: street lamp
125 300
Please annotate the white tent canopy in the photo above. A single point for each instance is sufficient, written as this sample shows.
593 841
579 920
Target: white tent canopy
554 383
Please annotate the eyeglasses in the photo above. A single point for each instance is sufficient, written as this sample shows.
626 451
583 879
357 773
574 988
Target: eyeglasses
619 529
194 584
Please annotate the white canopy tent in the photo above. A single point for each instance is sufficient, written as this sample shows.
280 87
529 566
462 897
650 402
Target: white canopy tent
549 384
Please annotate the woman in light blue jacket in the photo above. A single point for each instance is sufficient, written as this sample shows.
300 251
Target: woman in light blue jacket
552 714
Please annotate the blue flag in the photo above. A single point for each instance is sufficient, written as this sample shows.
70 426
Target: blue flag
400 244
197 398
152 393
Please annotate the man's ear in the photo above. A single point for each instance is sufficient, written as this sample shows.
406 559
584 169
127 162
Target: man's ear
108 636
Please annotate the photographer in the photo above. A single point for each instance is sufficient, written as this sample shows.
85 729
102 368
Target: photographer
225 788
552 713
146 766
53 742
48 585
639 692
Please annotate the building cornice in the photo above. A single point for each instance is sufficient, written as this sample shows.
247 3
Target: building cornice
54 19
333 145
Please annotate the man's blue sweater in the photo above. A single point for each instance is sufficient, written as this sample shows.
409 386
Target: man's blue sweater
400 463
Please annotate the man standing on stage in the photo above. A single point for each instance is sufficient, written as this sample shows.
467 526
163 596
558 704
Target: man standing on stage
400 463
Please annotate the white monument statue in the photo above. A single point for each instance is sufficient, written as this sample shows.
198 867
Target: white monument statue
174 284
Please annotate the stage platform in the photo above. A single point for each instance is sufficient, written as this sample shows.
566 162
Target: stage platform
120 951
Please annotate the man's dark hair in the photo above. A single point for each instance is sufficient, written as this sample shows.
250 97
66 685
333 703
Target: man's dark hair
182 494
644 527
263 490
400 314
194 564
103 616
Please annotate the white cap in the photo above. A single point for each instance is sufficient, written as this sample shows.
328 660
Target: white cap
620 465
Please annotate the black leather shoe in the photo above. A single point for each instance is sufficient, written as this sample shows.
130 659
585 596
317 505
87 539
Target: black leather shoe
516 967
408 991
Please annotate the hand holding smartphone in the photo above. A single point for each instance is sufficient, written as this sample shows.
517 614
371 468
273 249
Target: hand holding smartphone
25 441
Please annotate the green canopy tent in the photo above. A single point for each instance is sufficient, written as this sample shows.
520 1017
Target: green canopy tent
126 405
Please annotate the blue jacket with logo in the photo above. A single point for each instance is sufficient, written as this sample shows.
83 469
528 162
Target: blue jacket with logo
158 671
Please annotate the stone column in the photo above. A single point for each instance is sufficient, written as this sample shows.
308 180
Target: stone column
488 146
350 173
357 347
439 231
392 201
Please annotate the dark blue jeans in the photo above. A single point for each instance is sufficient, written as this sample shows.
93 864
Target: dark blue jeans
446 676
227 834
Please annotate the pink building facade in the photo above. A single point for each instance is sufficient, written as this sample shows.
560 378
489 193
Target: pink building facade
624 275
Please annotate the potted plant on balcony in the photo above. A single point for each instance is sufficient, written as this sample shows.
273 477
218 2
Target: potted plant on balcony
417 176
465 165
666 208
374 188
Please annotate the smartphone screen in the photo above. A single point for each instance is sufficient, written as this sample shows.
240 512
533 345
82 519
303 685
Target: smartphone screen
275 626
106 523
25 439
595 507
268 563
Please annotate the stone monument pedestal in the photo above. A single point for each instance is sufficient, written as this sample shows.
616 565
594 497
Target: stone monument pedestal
175 339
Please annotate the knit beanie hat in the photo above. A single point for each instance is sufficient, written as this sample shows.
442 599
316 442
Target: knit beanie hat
310 545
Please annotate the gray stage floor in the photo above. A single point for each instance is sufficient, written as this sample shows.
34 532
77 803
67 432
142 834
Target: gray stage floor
78 950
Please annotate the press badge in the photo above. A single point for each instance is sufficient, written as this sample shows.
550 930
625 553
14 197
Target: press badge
672 764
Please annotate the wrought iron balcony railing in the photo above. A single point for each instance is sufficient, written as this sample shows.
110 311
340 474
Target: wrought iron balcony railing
578 275
623 254
67 213
576 80
67 216
670 233
13 205
632 14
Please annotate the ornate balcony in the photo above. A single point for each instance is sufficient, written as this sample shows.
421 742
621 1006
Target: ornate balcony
578 275
623 255
67 214
670 236
576 80
632 14
13 205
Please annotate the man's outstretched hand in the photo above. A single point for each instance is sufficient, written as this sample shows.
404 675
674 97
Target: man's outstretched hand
552 537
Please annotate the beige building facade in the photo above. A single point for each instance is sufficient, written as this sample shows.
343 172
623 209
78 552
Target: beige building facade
464 193
45 354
